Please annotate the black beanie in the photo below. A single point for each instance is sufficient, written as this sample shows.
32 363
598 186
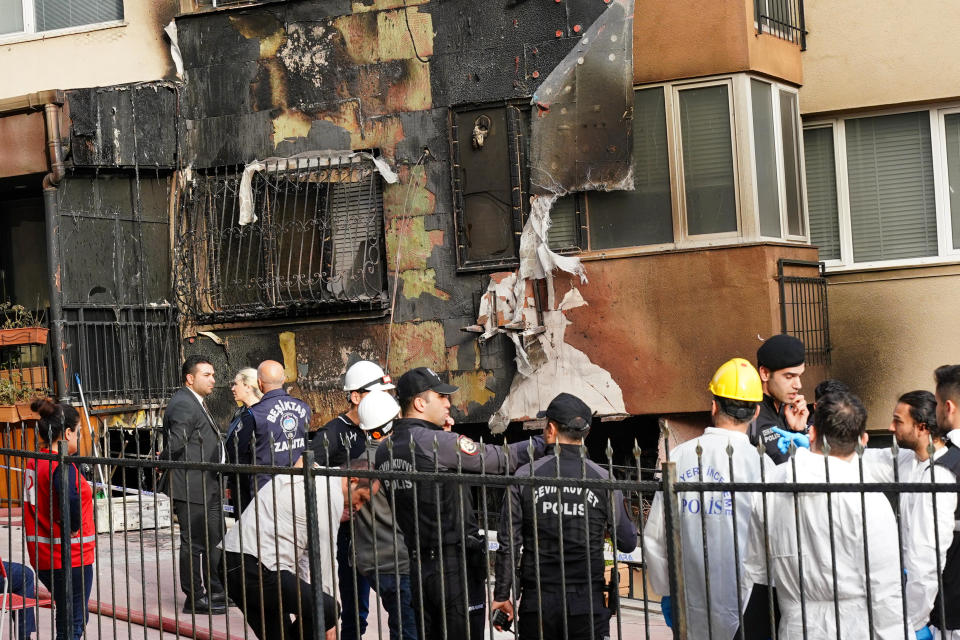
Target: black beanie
780 352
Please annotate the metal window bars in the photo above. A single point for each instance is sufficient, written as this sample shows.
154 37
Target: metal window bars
819 528
783 19
315 243
803 306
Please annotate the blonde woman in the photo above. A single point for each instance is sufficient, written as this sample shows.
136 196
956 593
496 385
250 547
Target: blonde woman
246 393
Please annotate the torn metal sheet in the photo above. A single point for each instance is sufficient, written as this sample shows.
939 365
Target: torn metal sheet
562 368
306 160
581 139
582 133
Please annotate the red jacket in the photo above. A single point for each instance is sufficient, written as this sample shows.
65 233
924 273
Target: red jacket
42 530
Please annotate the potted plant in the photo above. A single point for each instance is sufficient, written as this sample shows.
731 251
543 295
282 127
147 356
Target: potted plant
8 398
20 326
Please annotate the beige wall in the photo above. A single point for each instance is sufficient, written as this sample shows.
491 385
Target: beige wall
693 38
862 54
134 52
890 329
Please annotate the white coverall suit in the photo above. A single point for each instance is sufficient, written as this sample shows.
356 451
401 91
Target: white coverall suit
916 525
818 613
716 508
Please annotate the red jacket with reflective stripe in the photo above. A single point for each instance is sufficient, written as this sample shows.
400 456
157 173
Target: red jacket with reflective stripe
43 533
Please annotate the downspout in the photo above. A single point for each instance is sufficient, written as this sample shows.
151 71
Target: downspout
51 213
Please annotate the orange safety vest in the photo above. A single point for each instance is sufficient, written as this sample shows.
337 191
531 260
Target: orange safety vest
42 519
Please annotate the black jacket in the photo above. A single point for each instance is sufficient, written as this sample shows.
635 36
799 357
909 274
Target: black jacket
190 435
579 517
951 569
345 441
420 501
760 429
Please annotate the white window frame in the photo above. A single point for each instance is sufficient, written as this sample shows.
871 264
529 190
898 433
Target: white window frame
775 89
744 169
680 195
30 32
945 251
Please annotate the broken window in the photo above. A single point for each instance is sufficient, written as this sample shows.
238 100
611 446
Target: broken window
490 178
311 241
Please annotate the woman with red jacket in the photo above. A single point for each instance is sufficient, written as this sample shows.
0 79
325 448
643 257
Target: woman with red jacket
61 544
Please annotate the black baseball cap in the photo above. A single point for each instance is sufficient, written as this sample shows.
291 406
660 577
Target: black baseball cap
422 379
568 411
781 352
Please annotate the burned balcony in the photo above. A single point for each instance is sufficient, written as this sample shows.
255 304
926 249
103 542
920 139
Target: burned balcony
284 237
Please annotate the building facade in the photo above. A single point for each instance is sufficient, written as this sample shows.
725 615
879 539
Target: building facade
881 132
599 197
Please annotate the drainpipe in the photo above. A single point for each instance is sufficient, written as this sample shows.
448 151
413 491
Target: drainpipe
51 213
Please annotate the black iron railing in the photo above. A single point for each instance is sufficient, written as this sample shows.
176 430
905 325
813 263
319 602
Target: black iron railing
123 354
803 306
311 241
782 18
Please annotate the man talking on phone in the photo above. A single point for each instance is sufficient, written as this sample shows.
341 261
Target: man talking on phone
783 412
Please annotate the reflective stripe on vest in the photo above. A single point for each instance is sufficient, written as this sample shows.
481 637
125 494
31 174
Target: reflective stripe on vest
42 540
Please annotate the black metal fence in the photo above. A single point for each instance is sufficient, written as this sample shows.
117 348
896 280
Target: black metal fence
833 535
782 18
123 354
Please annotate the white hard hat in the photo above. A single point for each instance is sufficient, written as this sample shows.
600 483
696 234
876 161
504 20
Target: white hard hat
366 376
377 411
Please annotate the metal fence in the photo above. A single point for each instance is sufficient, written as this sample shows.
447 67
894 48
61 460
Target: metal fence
126 354
835 547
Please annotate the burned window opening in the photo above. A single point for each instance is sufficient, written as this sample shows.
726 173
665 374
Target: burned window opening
491 187
314 244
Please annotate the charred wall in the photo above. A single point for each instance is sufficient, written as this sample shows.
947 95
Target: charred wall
280 79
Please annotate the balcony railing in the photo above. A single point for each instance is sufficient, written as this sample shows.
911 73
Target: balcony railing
782 18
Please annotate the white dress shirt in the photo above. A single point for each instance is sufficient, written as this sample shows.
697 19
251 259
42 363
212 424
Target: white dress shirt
282 542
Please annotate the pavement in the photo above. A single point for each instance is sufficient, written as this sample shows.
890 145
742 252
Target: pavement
134 595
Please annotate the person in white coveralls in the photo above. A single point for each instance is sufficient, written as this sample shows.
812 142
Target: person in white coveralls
737 392
854 530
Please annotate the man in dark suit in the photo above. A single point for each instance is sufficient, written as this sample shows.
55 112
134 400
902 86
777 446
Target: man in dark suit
191 435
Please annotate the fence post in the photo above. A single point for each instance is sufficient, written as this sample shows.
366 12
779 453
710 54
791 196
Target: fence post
671 513
313 544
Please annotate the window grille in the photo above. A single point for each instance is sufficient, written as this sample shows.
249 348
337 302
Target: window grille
314 245
803 307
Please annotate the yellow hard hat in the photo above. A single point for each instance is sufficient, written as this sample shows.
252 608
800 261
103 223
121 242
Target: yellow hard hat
738 380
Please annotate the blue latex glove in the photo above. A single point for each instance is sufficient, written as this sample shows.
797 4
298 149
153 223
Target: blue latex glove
924 634
786 437
666 606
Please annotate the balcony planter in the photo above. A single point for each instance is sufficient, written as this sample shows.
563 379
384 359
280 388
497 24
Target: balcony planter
25 412
27 335
9 413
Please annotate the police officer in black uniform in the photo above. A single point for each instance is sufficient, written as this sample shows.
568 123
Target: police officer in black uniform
562 530
437 518
780 362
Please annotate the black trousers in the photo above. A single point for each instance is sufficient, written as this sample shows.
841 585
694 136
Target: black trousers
547 613
277 604
201 529
458 602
